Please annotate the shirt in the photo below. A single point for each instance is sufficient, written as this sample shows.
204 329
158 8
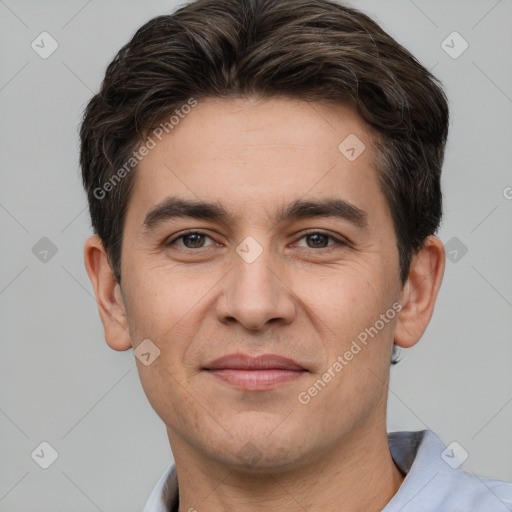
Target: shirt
434 480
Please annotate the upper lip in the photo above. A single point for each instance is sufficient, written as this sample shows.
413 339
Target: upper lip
246 362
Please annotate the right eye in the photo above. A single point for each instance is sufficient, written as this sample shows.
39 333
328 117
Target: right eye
190 240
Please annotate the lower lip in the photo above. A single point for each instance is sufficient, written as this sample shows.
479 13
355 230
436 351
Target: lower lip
256 379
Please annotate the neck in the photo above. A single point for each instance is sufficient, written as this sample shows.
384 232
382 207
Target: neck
358 476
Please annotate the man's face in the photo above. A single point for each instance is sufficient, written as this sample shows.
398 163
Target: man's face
264 280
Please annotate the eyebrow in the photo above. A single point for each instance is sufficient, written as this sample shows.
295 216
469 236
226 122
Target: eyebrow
175 207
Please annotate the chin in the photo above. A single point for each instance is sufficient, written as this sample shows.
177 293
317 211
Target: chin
263 449
261 457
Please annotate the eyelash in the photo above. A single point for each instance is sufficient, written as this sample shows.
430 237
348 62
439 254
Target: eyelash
337 241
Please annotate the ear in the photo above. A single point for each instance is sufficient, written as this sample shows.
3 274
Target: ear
420 292
108 295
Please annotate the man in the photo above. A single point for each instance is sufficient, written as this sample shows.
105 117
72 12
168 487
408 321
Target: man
264 184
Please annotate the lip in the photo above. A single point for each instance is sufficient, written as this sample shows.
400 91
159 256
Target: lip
253 363
255 373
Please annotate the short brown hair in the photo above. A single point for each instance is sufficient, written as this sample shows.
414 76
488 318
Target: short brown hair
314 50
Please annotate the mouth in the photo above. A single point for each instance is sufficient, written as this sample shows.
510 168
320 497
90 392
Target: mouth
255 373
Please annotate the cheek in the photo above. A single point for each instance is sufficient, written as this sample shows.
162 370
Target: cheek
345 301
163 298
168 306
347 309
166 392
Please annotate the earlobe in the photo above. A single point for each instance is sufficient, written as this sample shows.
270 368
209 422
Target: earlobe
108 295
419 293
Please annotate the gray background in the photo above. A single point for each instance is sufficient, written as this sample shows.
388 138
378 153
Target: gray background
60 381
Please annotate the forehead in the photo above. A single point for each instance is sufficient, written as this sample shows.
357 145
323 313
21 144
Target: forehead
259 155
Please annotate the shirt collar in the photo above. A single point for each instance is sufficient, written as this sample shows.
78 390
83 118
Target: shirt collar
430 481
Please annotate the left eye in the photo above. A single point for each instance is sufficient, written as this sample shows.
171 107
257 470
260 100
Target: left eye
319 240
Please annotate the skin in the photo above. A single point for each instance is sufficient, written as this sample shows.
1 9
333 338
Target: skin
265 450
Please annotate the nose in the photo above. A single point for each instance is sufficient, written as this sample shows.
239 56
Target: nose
255 294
